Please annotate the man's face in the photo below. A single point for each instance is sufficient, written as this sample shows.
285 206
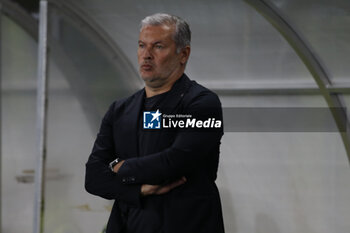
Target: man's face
157 56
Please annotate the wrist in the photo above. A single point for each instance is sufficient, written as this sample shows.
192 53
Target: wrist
114 163
118 166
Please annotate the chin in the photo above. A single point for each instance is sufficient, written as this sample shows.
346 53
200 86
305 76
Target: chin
146 75
153 82
148 78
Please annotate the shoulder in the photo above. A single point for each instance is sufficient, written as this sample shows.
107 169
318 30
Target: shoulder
202 103
125 104
201 95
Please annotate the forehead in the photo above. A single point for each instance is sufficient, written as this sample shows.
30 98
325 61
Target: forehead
152 33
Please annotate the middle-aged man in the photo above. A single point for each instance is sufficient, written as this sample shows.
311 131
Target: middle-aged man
163 180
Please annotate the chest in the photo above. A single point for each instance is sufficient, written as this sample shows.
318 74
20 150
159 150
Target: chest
132 140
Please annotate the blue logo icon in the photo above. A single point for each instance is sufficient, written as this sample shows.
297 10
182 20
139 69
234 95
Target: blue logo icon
151 120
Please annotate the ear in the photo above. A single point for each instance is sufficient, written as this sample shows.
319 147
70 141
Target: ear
184 55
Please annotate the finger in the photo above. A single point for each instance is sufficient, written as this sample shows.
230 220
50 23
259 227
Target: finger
147 189
168 187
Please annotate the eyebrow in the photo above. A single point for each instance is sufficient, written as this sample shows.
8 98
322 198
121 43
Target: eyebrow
157 42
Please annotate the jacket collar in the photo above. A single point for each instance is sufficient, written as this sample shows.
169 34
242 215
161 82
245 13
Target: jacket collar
175 95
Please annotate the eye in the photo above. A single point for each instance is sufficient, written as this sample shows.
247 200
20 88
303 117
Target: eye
159 46
141 45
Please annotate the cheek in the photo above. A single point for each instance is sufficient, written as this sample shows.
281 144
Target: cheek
166 60
172 62
139 56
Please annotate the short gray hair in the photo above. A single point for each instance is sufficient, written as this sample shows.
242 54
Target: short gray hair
182 35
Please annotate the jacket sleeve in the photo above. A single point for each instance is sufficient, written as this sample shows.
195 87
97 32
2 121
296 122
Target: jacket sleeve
188 149
99 179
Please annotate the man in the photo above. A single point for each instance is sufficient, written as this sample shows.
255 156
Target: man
162 179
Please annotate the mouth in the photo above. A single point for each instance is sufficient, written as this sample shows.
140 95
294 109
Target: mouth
146 67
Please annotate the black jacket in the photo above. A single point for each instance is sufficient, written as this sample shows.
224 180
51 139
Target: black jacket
193 207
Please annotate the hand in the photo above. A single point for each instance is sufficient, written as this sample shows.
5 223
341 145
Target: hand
148 189
117 167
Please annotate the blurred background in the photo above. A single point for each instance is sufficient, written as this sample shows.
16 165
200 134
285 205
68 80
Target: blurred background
255 54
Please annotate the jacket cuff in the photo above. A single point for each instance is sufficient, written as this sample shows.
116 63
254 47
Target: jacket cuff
130 194
125 173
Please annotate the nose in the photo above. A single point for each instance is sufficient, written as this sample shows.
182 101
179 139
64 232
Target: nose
147 54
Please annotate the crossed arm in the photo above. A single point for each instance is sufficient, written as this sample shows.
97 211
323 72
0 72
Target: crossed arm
149 189
150 171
